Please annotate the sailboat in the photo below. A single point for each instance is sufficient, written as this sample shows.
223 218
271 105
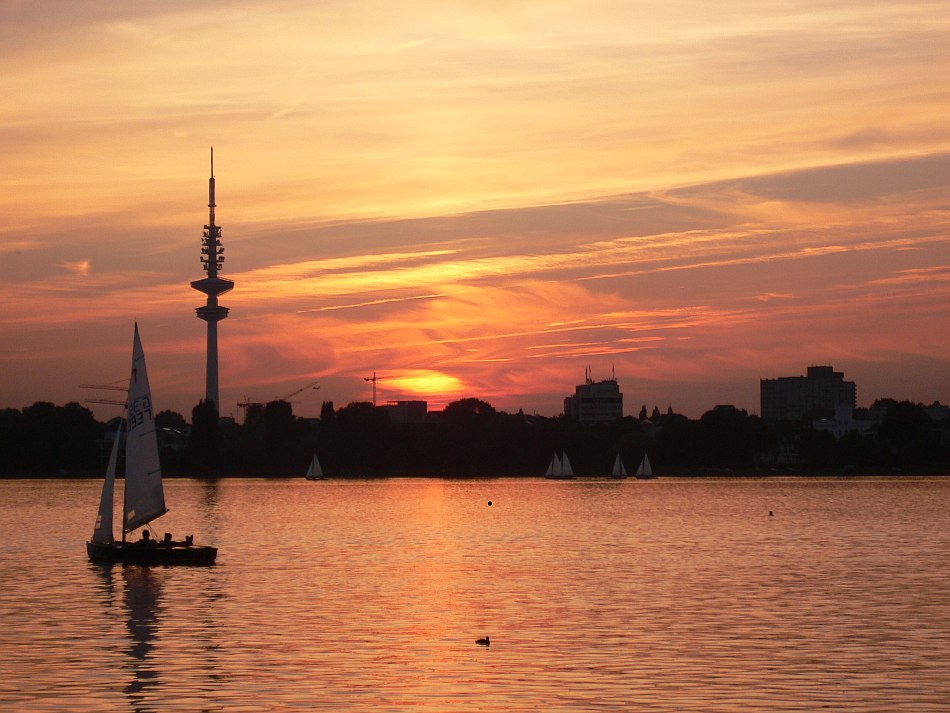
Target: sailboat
645 470
144 499
315 472
619 471
559 468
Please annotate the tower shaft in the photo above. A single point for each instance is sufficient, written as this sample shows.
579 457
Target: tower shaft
212 258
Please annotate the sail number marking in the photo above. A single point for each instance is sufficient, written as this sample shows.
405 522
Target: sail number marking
140 411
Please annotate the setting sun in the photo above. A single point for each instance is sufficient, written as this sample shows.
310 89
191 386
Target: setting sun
426 385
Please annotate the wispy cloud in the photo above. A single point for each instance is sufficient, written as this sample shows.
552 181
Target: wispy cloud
79 267
19 246
915 276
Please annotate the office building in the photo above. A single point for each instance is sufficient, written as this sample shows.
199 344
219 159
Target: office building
790 398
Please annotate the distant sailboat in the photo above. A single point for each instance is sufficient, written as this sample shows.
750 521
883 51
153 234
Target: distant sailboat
315 472
619 471
566 470
559 468
645 470
144 499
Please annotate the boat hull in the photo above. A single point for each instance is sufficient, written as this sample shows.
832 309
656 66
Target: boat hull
155 554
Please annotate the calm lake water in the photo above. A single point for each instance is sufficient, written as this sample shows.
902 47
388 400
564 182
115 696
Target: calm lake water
665 595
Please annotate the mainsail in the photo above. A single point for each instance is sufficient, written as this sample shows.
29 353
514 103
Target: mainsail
566 466
645 470
619 471
144 496
314 471
559 467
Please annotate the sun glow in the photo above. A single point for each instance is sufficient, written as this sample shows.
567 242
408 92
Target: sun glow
426 384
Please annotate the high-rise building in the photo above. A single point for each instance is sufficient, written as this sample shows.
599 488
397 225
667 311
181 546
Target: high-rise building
789 398
595 401
212 258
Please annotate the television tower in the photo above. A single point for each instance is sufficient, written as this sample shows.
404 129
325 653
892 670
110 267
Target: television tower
212 257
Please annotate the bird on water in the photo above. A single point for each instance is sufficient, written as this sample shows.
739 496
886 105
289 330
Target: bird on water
483 642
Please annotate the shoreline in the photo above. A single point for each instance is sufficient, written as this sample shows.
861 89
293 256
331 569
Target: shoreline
716 475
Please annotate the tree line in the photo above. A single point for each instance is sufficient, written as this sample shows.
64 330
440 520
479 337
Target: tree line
472 438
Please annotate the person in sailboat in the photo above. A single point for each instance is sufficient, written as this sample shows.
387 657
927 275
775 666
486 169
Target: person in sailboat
187 542
146 540
169 541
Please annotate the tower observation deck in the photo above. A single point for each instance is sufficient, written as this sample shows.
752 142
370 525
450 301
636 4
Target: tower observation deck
212 258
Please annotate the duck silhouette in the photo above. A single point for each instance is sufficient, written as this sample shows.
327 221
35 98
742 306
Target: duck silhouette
483 642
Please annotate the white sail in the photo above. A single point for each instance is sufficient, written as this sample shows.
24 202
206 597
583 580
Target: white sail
314 471
103 530
552 466
645 470
144 496
619 471
566 466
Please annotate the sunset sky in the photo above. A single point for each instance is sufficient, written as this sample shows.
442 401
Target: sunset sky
479 198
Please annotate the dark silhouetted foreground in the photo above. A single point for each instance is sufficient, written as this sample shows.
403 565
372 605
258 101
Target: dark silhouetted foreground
470 438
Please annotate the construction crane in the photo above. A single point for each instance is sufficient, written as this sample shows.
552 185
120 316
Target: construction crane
247 402
312 385
374 379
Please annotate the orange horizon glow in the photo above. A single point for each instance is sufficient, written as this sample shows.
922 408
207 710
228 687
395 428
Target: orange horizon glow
480 199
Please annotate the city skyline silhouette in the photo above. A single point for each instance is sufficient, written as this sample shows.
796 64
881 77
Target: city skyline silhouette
480 207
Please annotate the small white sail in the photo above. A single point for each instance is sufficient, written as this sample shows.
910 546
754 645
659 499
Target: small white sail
645 470
103 530
314 471
619 471
566 466
144 495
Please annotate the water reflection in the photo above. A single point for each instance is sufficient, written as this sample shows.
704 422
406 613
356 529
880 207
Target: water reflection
209 504
356 596
142 598
141 595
